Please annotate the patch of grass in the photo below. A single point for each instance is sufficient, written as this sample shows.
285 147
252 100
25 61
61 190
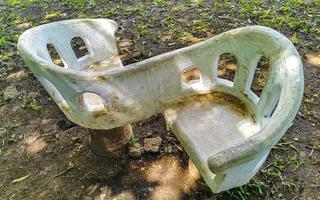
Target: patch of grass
76 150
78 5
169 148
295 162
3 42
288 184
133 141
270 172
285 146
278 162
296 16
200 26
259 185
33 106
21 3
255 187
135 10
153 22
179 8
7 58
161 2
111 12
169 20
240 193
142 29
194 2
275 168
316 144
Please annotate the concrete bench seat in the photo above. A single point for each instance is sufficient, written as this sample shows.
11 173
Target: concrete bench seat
227 130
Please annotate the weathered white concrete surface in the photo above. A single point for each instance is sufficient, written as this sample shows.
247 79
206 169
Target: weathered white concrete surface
224 127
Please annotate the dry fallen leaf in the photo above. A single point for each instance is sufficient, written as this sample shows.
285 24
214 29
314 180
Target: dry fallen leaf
125 43
54 15
231 66
188 37
313 58
57 61
24 25
165 38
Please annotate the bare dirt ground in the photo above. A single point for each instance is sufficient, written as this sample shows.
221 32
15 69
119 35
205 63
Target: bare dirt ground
44 156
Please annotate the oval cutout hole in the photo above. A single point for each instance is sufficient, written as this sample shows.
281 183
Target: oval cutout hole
272 102
190 75
227 66
274 108
260 76
268 103
79 47
270 109
56 59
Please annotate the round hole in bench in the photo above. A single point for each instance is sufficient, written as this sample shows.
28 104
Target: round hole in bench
190 75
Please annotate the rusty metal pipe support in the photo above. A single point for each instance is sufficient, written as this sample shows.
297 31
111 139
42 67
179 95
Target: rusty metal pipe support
110 143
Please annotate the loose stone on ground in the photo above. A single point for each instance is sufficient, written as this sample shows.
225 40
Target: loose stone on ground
136 150
152 144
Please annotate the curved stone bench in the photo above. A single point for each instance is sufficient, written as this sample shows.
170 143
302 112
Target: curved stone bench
225 128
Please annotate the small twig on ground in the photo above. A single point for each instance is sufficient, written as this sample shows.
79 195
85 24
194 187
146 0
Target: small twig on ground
20 179
87 174
61 173
266 167
12 196
178 146
312 150
274 187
